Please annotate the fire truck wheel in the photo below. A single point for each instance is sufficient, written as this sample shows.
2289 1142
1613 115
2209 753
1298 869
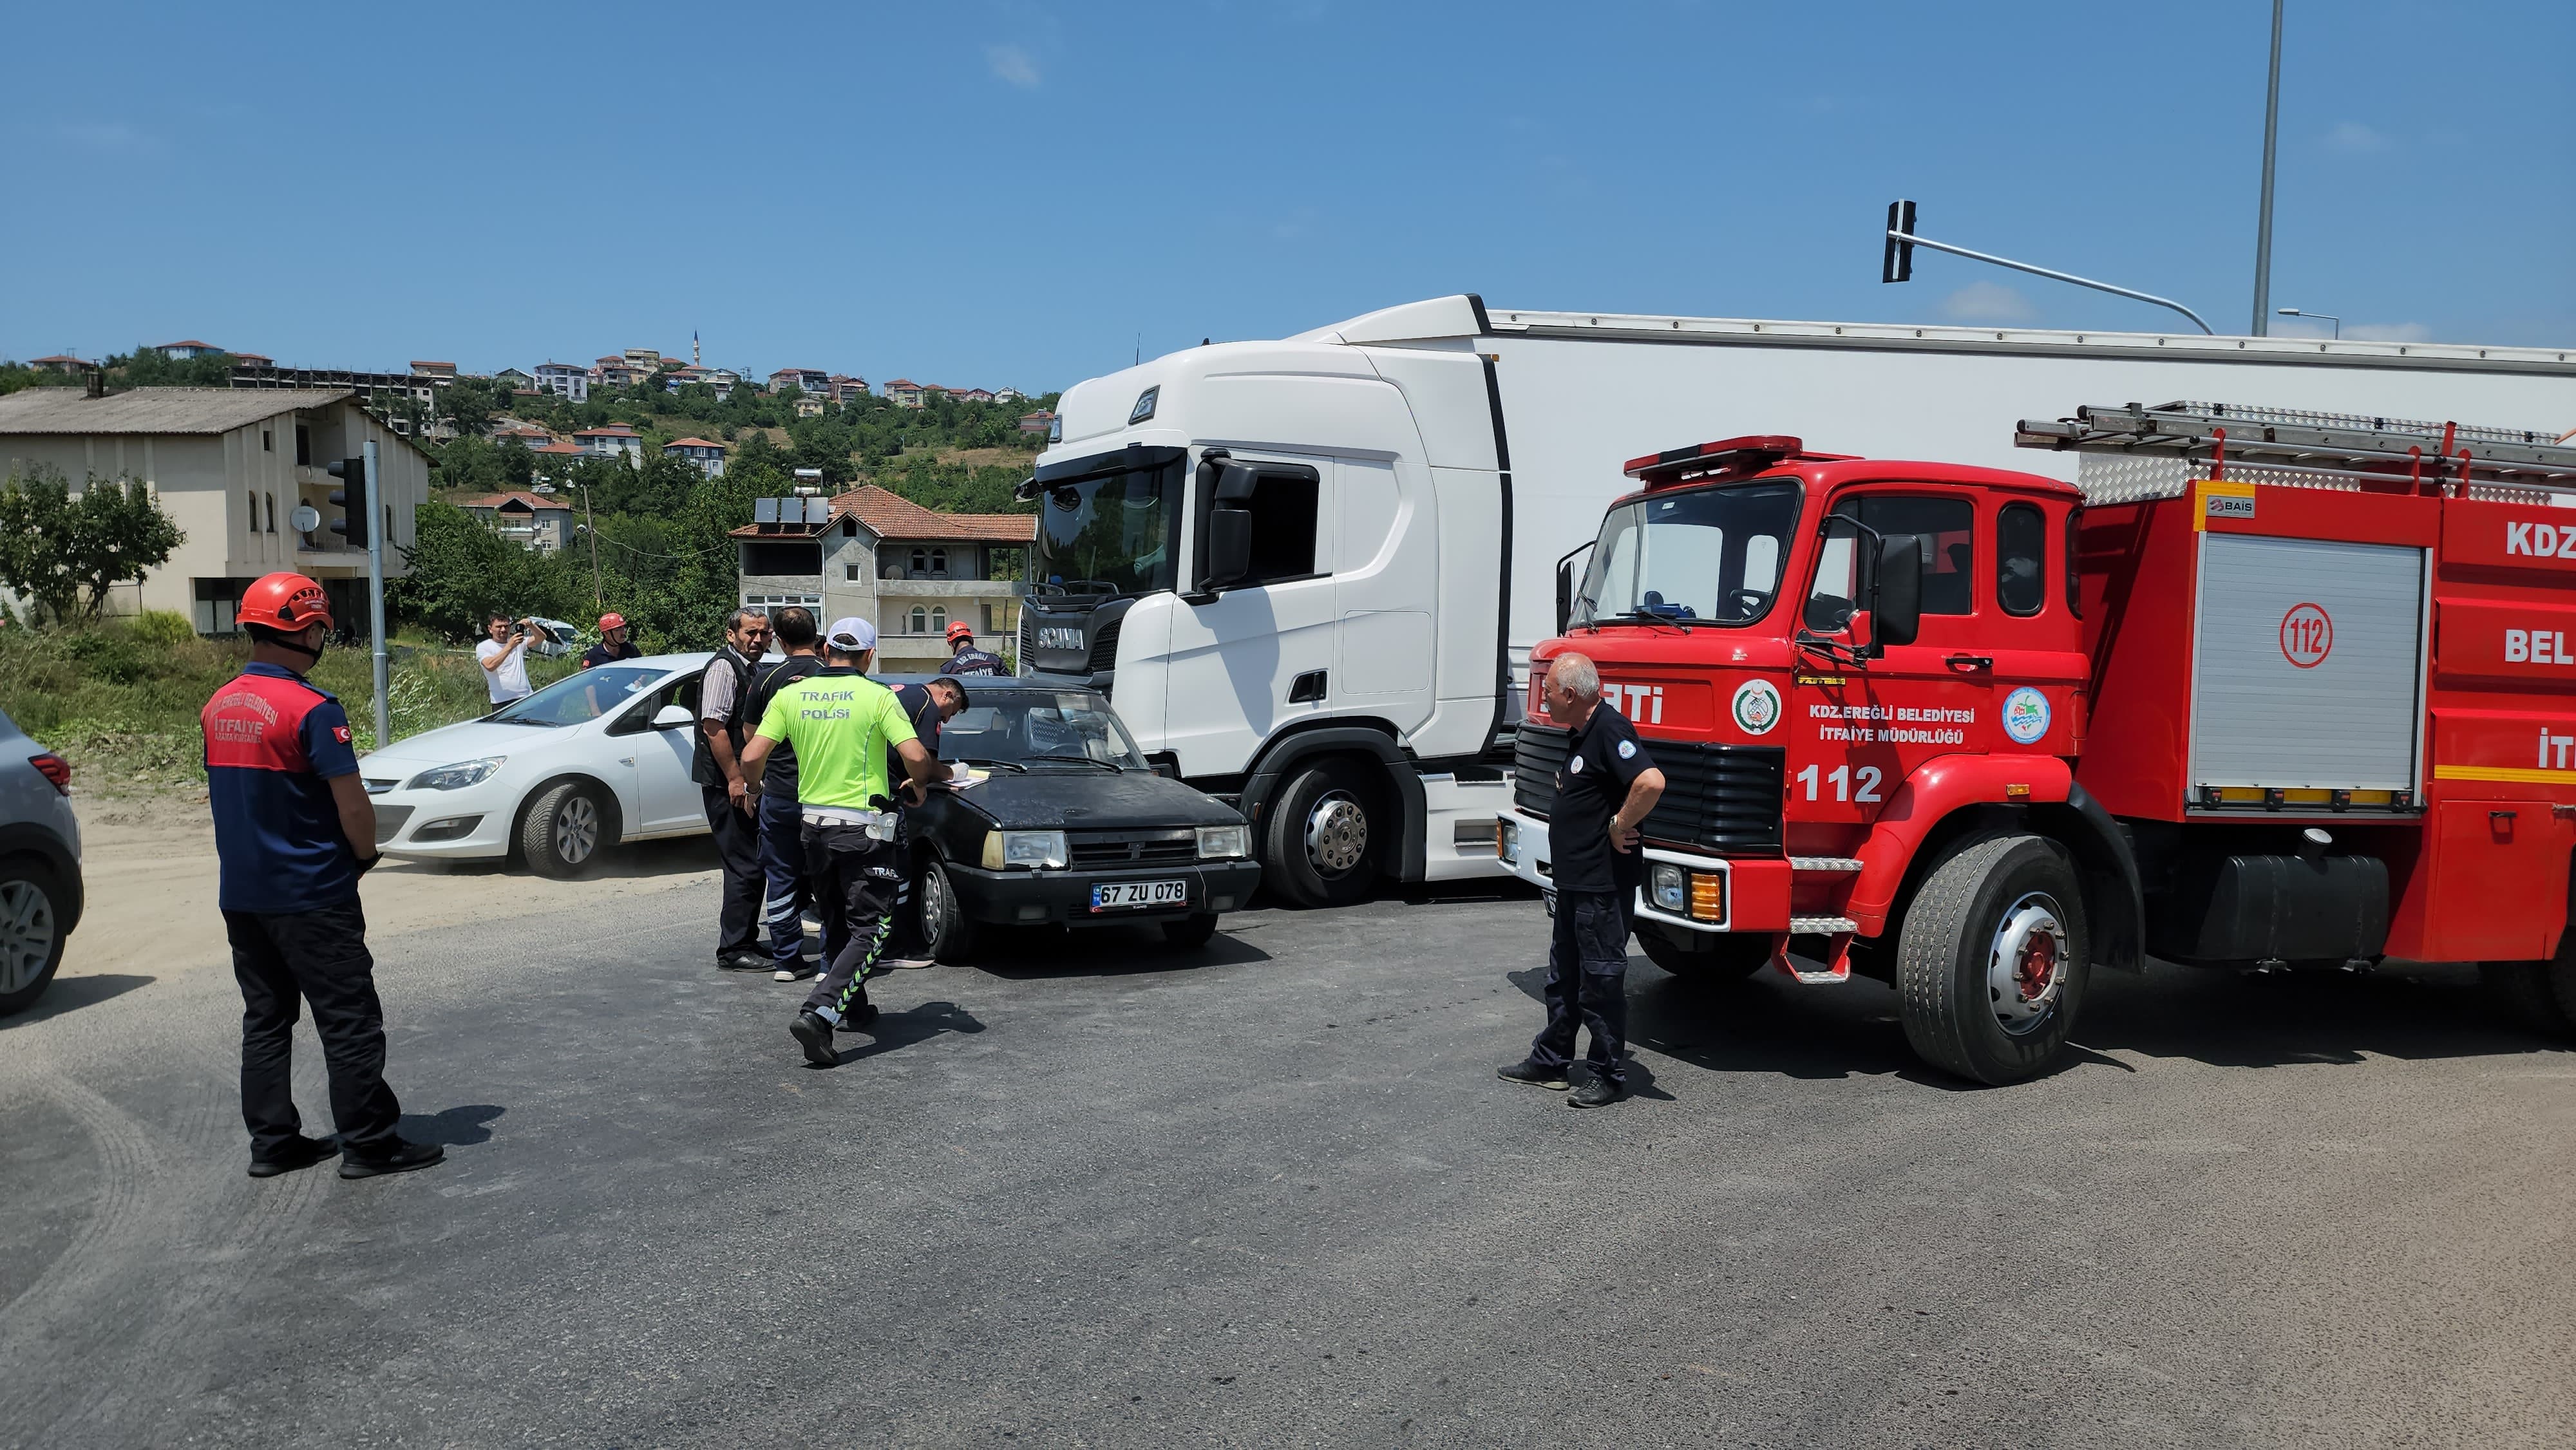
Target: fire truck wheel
1713 957
1993 958
2528 995
1321 845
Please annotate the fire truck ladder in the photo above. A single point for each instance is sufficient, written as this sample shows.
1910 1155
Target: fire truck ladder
2174 443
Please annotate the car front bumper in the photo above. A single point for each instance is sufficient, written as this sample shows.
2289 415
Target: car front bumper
1063 898
403 816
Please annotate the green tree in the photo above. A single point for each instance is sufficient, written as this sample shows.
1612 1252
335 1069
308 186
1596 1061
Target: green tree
460 569
65 551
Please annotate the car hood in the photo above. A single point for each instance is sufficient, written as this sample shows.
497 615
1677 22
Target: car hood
471 740
1080 799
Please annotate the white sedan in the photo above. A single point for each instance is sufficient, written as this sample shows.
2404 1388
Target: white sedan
596 758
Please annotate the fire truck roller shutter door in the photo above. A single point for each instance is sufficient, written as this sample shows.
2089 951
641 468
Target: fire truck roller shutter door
2308 660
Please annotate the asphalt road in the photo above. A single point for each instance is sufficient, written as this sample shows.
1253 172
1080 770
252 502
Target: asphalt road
1271 1193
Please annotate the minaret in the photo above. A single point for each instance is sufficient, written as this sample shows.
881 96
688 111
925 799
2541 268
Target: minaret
694 359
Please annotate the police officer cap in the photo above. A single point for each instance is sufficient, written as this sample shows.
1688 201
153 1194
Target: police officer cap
852 635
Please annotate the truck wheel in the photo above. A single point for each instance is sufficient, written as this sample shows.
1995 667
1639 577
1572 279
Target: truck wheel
1725 957
2527 994
1993 958
31 930
567 830
1323 836
953 934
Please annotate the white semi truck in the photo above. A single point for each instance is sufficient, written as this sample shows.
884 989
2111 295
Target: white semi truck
1309 572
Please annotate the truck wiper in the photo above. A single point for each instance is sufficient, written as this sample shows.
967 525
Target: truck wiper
1648 616
1084 760
1841 654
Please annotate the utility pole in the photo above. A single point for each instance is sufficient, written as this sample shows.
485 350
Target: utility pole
2263 229
590 526
376 595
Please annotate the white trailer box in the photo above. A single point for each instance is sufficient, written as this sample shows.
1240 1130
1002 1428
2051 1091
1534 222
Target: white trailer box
1310 571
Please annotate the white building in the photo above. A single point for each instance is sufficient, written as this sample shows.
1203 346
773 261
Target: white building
708 456
913 571
565 380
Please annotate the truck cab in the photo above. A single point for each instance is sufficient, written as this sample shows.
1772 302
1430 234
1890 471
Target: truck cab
1832 659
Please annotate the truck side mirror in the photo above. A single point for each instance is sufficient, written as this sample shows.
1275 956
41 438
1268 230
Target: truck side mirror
1229 547
1896 599
1569 576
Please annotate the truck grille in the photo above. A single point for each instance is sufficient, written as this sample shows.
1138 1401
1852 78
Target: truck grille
1028 641
1133 848
1724 798
1104 647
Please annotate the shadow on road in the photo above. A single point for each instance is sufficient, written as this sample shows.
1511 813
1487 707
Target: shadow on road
70 994
454 1128
893 1030
1028 955
675 856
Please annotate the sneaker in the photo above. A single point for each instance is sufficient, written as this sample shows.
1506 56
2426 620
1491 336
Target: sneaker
1600 1092
910 959
1527 1070
798 971
404 1157
302 1153
815 1036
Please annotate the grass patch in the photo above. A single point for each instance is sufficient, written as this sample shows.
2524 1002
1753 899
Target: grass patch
120 701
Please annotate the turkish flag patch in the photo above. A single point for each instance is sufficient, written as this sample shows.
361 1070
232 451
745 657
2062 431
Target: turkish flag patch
340 733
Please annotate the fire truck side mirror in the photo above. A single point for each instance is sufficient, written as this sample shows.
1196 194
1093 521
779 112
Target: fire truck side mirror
1569 575
1896 600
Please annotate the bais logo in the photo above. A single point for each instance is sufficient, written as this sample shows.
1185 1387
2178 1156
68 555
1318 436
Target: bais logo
2307 636
1757 707
2025 715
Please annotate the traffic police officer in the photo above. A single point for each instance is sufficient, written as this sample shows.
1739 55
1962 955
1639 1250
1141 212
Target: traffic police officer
926 707
293 833
964 658
841 725
1603 793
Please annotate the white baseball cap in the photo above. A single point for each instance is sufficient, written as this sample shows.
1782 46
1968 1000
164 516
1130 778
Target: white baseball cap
852 635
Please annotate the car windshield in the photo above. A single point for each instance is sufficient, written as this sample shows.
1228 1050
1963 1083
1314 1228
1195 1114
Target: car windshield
577 698
1708 556
1039 730
1111 534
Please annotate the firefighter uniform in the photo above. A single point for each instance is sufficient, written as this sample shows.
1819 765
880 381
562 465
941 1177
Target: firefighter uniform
965 659
1596 890
841 724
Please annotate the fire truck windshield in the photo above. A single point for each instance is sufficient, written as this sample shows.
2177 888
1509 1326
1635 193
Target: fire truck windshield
1708 556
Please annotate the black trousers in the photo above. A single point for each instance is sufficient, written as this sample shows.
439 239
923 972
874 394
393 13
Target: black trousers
854 877
1587 983
738 842
320 957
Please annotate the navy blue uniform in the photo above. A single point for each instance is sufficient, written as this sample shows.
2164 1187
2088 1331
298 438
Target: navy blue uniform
1587 959
973 661
289 895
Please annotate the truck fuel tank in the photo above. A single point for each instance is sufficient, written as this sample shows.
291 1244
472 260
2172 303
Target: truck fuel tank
2244 908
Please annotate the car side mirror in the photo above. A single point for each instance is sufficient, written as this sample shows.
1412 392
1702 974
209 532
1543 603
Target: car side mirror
673 717
1896 599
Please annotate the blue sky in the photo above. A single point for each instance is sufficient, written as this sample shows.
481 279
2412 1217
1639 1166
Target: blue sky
1018 193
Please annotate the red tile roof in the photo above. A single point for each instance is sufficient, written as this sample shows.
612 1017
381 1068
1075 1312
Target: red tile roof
893 517
689 443
191 342
558 448
517 496
58 358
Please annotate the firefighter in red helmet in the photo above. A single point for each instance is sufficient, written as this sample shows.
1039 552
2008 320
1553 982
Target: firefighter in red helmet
965 659
293 833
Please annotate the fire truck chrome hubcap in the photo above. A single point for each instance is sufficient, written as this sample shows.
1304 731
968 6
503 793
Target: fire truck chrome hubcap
26 933
2027 963
576 830
1336 833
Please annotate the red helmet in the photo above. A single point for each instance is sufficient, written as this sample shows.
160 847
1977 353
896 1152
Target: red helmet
960 630
611 621
282 601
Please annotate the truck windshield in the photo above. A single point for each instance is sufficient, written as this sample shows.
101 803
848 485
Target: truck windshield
1709 556
1112 533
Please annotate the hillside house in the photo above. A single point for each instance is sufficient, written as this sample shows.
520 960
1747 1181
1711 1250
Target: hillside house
611 372
1037 422
61 363
972 395
708 456
565 381
848 390
184 351
810 380
513 380
1009 395
526 519
644 361
555 461
231 467
444 371
611 440
911 570
904 393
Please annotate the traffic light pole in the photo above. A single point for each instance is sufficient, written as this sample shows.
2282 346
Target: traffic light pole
376 595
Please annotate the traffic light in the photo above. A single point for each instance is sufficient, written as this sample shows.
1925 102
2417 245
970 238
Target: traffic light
1897 264
350 500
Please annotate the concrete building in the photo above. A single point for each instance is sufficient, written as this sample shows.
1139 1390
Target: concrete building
810 380
646 361
911 570
61 363
708 456
904 393
526 519
611 440
444 371
513 379
848 390
183 351
380 388
554 461
1038 422
565 380
612 371
231 467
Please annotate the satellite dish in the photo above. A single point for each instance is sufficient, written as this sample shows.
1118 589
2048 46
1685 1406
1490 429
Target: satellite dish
305 519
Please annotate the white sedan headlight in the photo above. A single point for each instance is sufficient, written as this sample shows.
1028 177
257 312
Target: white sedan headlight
458 776
1024 848
1218 843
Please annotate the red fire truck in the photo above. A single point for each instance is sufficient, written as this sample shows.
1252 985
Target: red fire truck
2262 689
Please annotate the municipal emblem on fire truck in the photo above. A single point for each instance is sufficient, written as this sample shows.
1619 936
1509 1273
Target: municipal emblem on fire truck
1757 707
2025 715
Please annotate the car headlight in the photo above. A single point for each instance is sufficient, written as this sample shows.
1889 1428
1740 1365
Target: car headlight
1224 842
1024 848
1669 887
458 776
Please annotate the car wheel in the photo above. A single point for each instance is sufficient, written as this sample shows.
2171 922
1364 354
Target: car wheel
1191 931
1324 837
1713 957
567 830
31 930
953 933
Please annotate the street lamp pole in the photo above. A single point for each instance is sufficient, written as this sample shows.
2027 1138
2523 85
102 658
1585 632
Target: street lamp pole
2263 228
2328 316
590 526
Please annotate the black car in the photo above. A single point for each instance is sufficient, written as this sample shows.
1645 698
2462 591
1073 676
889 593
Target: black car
1056 819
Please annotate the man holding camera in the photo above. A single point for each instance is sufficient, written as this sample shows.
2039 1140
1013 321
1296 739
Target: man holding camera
504 657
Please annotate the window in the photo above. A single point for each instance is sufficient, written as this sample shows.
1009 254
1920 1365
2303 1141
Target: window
303 444
850 573
1283 528
2074 575
801 558
1710 554
930 563
251 496
272 513
920 620
267 440
388 534
1946 525
2021 554
939 619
